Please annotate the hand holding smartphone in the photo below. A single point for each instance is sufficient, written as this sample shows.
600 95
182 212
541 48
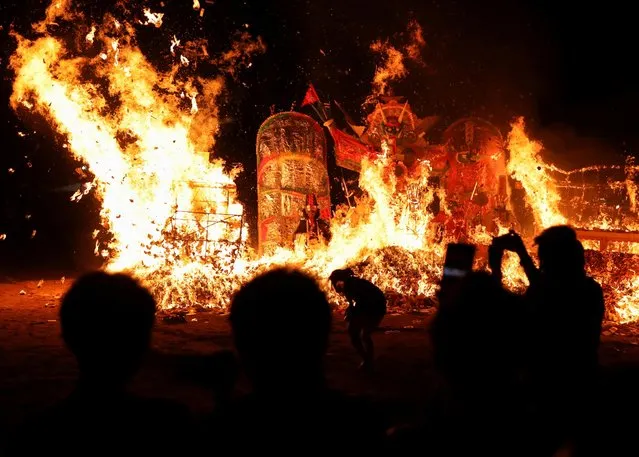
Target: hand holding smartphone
457 265
459 260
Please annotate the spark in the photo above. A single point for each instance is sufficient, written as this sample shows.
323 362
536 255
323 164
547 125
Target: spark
194 108
91 35
174 43
153 18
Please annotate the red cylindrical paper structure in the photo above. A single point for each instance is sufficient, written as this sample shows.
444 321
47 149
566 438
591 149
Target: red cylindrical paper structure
291 164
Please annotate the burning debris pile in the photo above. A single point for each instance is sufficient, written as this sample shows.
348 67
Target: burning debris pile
171 217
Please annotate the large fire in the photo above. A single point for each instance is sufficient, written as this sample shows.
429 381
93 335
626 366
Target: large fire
145 135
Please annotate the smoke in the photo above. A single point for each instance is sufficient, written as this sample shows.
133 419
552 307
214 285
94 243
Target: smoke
569 150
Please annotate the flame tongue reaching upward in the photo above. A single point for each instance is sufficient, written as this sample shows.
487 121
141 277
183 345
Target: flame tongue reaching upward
392 67
527 166
145 144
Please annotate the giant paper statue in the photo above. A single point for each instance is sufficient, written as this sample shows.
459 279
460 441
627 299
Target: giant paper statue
476 182
468 165
392 130
291 172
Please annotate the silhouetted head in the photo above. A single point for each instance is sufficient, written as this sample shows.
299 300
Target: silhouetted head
338 277
106 322
561 254
280 322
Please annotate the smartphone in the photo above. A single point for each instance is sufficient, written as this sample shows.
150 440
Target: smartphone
459 260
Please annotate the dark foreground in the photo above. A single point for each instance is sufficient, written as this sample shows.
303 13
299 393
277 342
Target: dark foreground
36 369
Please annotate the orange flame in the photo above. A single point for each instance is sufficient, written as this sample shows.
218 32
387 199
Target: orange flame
392 67
416 43
145 136
381 229
526 166
148 150
631 184
619 277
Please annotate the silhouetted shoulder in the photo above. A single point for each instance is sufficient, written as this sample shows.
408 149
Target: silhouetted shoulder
327 422
593 285
360 289
592 292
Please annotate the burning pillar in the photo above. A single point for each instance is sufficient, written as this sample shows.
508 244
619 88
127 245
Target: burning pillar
291 164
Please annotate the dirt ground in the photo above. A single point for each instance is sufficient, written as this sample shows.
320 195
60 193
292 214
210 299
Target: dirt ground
37 370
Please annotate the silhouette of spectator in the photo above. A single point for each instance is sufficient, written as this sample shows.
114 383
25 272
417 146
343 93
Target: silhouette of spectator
106 322
566 314
224 366
222 374
281 322
366 309
477 350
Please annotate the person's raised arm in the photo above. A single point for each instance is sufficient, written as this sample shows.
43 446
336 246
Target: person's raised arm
518 247
495 256
510 242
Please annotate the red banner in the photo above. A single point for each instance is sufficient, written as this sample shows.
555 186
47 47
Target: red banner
311 96
349 151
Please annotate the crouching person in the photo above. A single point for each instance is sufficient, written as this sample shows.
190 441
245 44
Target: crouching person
366 309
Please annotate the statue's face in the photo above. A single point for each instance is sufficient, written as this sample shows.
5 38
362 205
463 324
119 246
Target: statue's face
392 127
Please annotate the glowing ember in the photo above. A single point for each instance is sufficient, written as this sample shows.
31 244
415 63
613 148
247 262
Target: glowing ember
153 18
631 183
174 43
91 35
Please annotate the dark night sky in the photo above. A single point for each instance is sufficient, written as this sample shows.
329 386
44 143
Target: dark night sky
566 66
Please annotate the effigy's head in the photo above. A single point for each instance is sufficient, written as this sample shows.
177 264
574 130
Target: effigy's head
392 126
